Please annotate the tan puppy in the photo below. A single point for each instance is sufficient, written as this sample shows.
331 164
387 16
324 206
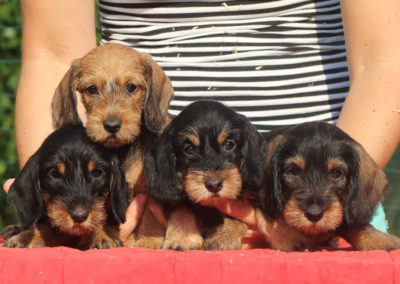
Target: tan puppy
125 97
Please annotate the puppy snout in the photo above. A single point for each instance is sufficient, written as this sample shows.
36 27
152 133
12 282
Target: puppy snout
112 124
214 184
79 214
314 213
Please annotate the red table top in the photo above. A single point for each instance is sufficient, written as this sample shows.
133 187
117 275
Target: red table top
139 265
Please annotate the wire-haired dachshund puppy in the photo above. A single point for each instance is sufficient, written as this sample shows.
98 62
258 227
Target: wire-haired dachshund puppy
70 193
321 183
207 153
125 96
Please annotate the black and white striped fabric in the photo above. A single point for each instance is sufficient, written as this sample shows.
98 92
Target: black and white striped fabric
277 62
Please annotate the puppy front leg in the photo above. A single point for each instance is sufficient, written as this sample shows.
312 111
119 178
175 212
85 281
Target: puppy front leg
366 237
149 233
104 238
10 230
183 232
37 237
229 235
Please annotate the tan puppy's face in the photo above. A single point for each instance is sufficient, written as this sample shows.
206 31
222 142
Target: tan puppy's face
119 89
113 92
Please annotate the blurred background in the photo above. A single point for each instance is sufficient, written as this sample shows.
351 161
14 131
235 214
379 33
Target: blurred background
10 54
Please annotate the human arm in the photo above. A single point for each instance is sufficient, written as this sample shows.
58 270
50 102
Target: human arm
54 33
372 43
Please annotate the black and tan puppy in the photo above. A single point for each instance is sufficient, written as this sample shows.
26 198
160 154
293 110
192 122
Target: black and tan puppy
70 193
321 183
125 96
207 153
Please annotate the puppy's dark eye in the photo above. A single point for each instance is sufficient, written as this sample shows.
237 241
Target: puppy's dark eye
97 172
131 88
54 173
229 145
188 150
92 90
99 194
293 170
336 173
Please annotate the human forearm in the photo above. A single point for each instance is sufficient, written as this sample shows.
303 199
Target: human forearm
372 40
65 30
368 114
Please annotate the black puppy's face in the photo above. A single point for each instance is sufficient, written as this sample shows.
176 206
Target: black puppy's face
72 181
314 182
319 178
207 152
74 188
208 161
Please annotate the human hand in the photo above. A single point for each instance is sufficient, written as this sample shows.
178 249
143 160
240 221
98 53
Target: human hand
7 184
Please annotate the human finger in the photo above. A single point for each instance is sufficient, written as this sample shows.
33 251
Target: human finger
254 239
7 184
133 216
238 209
157 211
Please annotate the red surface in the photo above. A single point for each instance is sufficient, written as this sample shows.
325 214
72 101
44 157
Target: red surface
127 265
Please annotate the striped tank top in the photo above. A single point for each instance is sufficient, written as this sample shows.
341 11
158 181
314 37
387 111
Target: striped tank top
277 62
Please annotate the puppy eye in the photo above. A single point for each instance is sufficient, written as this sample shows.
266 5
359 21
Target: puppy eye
99 194
188 150
293 170
97 172
55 174
229 145
131 88
92 90
336 173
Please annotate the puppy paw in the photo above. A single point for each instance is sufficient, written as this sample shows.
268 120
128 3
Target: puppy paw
227 236
105 242
105 238
388 243
218 243
25 239
183 232
183 243
392 244
10 231
366 238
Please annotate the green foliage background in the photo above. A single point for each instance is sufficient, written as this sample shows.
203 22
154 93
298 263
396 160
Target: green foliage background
10 43
10 54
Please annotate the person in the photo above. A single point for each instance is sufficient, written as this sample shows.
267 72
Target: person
278 62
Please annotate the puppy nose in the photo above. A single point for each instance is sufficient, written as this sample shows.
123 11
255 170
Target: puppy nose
314 214
214 184
112 124
79 214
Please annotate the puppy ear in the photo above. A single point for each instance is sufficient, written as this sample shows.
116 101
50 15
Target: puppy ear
253 152
367 186
24 195
64 104
119 192
271 194
158 96
160 171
